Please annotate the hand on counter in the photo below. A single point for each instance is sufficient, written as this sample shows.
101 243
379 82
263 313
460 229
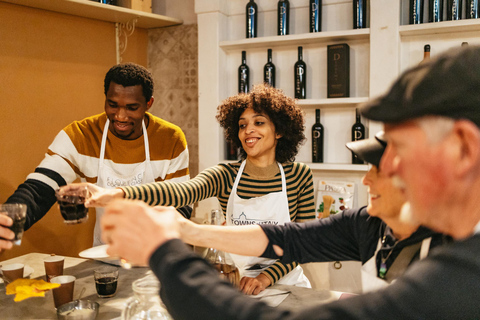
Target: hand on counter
98 196
6 235
254 285
134 230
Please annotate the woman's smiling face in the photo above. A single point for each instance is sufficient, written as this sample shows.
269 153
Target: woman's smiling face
385 199
258 137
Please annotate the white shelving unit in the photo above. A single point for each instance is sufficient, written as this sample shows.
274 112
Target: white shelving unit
100 11
378 55
220 55
296 39
440 28
440 36
362 168
331 103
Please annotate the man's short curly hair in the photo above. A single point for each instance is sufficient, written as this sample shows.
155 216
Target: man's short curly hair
286 116
130 74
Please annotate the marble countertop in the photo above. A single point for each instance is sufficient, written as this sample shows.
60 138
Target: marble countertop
111 308
82 269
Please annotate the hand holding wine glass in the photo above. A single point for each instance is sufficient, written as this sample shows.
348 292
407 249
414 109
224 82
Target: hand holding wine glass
98 197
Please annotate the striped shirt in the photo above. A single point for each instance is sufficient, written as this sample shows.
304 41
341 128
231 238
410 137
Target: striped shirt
75 154
218 181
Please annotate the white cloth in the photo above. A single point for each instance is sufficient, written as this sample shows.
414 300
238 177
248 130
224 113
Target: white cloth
370 280
477 228
110 179
271 208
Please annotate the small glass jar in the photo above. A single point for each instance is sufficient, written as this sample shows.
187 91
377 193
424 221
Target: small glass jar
146 303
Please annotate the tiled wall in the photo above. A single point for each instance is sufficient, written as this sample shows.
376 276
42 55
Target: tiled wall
173 60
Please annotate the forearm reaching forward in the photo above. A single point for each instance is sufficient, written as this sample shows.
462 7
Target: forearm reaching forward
246 240
128 225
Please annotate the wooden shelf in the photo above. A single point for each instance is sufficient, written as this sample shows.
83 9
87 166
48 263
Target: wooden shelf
335 102
100 11
443 27
297 39
338 167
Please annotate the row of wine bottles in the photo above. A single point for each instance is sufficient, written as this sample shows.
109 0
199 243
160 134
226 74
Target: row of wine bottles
436 13
315 16
338 72
358 133
300 70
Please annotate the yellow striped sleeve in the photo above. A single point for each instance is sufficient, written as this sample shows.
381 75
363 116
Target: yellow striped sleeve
178 194
278 270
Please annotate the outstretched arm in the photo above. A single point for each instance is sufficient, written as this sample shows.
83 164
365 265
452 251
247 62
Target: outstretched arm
133 224
247 240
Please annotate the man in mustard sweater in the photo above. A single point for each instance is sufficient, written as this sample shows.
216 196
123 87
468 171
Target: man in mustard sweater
123 146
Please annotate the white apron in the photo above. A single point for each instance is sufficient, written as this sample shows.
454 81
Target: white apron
110 179
370 280
268 209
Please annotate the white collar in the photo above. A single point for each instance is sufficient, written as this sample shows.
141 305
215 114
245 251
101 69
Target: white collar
477 228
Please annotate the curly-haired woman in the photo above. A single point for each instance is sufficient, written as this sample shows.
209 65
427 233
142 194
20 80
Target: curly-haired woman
266 187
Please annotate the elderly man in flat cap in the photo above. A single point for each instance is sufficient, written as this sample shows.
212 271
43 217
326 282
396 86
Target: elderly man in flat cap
432 124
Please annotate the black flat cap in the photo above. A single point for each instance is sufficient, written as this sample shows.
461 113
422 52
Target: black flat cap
369 150
448 86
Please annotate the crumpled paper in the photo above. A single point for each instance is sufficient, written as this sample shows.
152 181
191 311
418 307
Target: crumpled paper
28 288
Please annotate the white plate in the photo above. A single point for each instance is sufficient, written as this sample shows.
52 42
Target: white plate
99 253
27 272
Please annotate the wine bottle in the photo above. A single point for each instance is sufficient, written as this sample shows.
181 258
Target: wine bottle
464 43
473 8
358 133
315 15
243 75
317 139
426 53
283 17
454 9
435 10
300 76
251 13
269 71
359 14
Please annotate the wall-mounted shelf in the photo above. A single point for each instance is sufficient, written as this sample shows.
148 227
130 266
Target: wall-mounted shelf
100 11
443 27
337 102
296 39
338 167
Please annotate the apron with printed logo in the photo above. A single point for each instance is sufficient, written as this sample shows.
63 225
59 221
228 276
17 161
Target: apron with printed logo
370 280
268 209
108 178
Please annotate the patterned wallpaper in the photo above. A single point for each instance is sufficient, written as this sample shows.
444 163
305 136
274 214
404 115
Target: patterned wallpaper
173 60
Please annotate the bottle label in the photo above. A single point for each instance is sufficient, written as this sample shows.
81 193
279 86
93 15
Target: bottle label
316 134
269 77
282 20
358 135
314 17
